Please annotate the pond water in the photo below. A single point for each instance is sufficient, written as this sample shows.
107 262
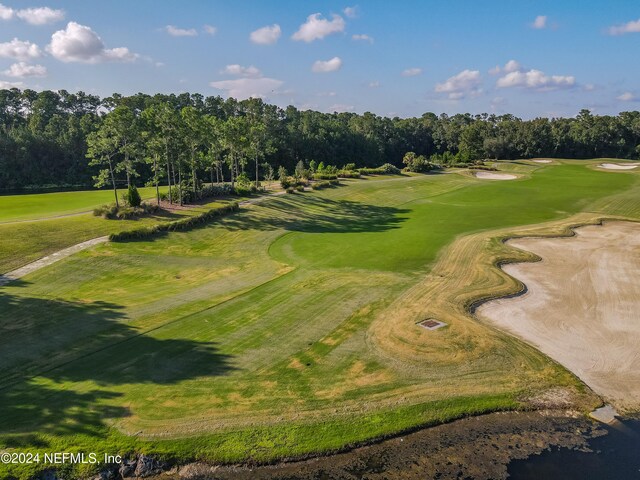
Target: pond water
614 456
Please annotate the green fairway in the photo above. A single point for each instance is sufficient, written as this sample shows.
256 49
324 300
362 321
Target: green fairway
26 241
34 206
254 338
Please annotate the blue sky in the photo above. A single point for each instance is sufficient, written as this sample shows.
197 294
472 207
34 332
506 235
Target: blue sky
529 58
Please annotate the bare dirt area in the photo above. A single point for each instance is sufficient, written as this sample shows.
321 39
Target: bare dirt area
495 176
581 306
477 447
615 166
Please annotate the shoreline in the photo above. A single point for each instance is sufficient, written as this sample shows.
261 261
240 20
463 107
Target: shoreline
479 447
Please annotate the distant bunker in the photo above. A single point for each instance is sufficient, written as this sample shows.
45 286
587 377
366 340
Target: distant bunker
495 176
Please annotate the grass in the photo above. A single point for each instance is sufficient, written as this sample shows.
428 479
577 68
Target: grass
25 242
289 328
46 205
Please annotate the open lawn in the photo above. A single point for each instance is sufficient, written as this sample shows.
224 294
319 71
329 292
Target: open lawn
26 241
289 328
34 206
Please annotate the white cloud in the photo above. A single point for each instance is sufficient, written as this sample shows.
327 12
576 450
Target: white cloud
351 12
540 22
627 97
20 50
78 43
340 108
210 29
510 66
180 32
22 70
6 13
266 35
239 70
411 72
40 16
459 86
326 94
320 66
316 28
243 88
535 80
374 84
362 37
629 27
8 85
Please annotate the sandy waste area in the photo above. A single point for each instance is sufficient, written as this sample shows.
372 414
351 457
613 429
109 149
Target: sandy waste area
582 306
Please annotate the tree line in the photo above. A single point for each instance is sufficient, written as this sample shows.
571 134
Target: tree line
75 139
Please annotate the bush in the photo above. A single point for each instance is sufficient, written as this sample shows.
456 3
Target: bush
106 211
320 185
324 176
243 190
179 225
290 190
348 174
133 196
112 212
386 169
300 188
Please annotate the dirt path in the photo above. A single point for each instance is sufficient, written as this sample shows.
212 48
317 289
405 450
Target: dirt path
49 259
582 306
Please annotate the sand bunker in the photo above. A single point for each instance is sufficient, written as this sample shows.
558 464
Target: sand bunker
495 176
582 306
542 160
615 166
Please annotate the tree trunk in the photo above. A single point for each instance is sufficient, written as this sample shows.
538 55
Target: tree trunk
169 181
193 173
257 173
155 174
113 182
180 183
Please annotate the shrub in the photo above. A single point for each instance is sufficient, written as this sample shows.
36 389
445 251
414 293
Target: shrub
348 174
290 190
320 185
243 190
106 211
133 196
178 225
300 188
386 169
324 176
349 166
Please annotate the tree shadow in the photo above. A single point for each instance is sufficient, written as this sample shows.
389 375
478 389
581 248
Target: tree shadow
318 215
48 348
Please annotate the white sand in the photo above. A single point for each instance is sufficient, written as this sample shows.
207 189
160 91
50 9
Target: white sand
494 176
542 160
615 166
582 307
